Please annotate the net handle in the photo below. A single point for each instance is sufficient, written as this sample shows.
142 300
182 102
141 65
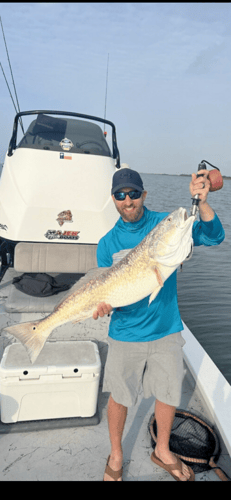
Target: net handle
221 474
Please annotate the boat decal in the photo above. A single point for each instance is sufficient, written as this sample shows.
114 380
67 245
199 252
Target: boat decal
66 144
3 226
65 216
62 156
52 234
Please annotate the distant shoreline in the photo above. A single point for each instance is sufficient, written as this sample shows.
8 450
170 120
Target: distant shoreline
155 173
178 175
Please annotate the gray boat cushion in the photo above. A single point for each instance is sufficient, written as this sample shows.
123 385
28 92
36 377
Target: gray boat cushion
54 258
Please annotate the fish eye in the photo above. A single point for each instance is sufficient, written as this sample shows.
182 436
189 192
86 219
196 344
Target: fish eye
34 327
169 219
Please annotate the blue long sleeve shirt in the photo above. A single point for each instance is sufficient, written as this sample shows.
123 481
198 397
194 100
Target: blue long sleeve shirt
141 322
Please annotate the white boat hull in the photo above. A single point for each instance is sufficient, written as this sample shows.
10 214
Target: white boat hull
214 388
42 186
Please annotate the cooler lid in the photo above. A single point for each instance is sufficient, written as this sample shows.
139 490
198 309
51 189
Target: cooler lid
70 358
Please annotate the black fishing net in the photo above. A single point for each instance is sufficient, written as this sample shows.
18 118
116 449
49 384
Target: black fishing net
192 439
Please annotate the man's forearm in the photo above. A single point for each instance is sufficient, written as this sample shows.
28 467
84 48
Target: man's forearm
206 212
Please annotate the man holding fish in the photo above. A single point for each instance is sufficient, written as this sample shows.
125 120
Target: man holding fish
136 277
145 342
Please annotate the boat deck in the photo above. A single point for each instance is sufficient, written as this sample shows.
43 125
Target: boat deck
80 453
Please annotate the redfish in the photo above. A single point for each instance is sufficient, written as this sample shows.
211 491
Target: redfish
141 272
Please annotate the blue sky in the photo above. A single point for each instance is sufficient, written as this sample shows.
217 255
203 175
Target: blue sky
169 75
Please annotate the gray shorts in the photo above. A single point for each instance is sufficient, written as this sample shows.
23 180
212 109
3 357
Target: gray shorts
155 366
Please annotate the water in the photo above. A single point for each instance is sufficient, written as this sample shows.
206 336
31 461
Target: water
204 285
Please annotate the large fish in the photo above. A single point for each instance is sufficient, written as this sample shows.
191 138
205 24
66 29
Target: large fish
141 272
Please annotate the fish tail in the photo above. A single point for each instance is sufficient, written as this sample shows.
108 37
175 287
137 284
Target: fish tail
31 335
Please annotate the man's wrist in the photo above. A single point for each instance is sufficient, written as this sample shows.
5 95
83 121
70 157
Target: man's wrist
206 212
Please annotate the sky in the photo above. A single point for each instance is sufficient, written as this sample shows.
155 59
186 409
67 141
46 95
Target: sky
169 75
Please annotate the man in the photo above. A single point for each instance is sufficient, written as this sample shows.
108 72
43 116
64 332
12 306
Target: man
145 342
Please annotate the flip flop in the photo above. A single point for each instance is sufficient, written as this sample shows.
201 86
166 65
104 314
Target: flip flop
170 467
115 474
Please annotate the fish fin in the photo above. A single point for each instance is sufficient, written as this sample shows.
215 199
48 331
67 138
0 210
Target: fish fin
120 255
158 275
30 337
154 294
74 321
159 286
91 274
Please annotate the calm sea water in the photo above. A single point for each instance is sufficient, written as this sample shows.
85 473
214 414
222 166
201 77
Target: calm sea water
204 285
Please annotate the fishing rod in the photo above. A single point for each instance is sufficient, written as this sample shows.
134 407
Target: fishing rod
216 183
8 88
105 133
17 111
11 97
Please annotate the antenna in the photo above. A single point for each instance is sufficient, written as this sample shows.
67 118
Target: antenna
11 76
105 133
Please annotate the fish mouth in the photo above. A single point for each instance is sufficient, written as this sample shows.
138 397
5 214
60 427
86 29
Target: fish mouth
183 218
186 220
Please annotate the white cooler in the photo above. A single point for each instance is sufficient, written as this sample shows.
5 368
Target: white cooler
63 382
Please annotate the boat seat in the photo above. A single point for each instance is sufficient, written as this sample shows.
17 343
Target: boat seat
54 257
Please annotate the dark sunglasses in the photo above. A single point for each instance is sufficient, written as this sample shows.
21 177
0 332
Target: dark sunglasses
133 195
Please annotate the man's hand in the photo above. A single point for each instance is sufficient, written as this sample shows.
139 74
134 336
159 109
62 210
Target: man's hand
101 310
200 185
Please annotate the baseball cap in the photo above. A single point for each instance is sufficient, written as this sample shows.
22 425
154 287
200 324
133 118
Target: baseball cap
126 178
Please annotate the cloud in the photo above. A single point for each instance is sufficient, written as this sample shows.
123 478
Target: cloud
206 61
168 65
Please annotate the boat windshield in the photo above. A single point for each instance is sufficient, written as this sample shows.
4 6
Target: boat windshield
65 134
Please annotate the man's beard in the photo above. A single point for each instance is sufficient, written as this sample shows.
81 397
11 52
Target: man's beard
134 216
